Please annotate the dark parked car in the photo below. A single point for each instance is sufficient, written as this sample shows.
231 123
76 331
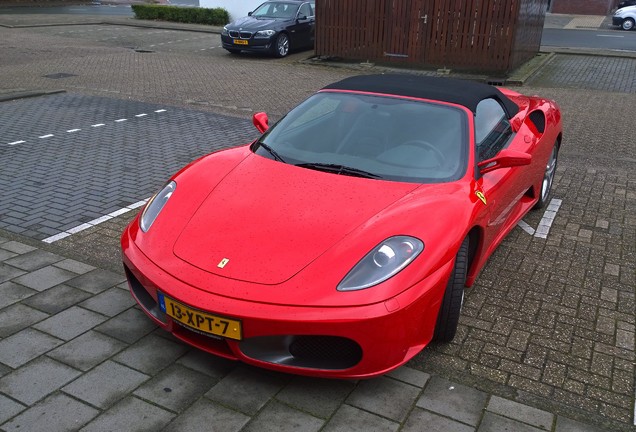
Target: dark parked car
274 27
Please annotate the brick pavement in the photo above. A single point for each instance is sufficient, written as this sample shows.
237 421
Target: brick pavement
549 324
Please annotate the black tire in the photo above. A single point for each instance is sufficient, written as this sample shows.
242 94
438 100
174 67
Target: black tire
451 307
548 178
281 45
628 24
233 51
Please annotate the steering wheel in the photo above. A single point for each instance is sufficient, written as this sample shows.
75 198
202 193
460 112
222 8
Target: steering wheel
439 156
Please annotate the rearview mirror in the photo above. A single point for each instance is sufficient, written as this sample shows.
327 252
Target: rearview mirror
261 121
504 159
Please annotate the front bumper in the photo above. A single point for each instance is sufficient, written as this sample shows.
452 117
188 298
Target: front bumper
257 45
617 21
337 342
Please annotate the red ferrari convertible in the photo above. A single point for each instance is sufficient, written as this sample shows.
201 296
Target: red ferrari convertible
340 242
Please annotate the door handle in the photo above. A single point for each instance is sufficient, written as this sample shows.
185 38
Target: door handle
425 18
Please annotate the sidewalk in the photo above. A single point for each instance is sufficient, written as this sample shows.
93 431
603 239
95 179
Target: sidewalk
76 353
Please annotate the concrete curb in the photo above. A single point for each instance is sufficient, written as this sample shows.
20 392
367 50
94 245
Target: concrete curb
27 94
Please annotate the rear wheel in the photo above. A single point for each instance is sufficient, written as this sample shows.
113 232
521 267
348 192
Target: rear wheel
449 312
628 24
548 178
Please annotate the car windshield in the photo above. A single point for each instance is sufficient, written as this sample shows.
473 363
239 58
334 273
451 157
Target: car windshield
372 136
276 10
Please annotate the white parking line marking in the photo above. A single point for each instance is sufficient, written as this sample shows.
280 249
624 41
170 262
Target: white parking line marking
73 130
614 36
160 110
527 228
98 125
548 217
16 142
94 222
120 120
46 136
141 115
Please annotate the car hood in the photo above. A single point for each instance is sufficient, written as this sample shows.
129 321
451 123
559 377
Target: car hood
255 24
266 220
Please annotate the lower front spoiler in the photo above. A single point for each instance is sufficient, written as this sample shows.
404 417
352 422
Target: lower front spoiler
346 342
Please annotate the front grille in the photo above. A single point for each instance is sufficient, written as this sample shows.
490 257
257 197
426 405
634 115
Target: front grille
242 35
310 352
142 296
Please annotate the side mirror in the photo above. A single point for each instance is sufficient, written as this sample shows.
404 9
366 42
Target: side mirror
261 121
302 18
504 159
249 13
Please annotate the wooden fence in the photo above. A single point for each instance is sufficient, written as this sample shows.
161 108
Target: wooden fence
479 35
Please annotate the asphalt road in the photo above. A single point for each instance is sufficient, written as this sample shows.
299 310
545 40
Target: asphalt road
601 39
103 10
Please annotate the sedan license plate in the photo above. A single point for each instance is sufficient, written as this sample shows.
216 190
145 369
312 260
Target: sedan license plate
240 42
200 321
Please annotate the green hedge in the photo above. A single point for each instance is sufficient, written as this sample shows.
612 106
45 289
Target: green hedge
215 16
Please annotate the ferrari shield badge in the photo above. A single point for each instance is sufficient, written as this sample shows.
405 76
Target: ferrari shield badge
481 196
223 263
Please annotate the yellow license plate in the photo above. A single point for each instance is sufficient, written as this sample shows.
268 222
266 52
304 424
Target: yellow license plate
200 321
240 42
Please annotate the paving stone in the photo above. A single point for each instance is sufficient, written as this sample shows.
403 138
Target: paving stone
106 384
17 247
5 254
323 398
564 424
207 415
350 419
11 293
34 260
36 380
128 326
57 412
524 413
246 389
110 302
74 266
152 354
421 420
385 397
96 281
279 417
56 299
24 346
495 423
70 323
18 316
8 272
8 408
211 365
45 278
456 401
410 376
175 388
87 350
131 414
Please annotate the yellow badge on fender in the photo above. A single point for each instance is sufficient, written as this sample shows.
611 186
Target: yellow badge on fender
481 196
223 263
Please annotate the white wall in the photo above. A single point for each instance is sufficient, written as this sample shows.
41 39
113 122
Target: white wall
236 8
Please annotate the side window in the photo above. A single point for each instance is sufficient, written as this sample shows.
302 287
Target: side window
305 10
492 129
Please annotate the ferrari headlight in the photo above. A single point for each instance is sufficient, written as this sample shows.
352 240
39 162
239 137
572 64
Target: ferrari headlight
382 263
154 206
264 34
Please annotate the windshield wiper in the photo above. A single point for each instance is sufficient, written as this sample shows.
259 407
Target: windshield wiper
339 169
272 152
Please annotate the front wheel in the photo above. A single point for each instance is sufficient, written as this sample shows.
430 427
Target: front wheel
548 178
448 317
628 24
281 46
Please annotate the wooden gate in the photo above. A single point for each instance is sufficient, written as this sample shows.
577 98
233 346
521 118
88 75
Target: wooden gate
483 35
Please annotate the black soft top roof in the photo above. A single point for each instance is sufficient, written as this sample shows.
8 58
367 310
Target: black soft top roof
460 92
